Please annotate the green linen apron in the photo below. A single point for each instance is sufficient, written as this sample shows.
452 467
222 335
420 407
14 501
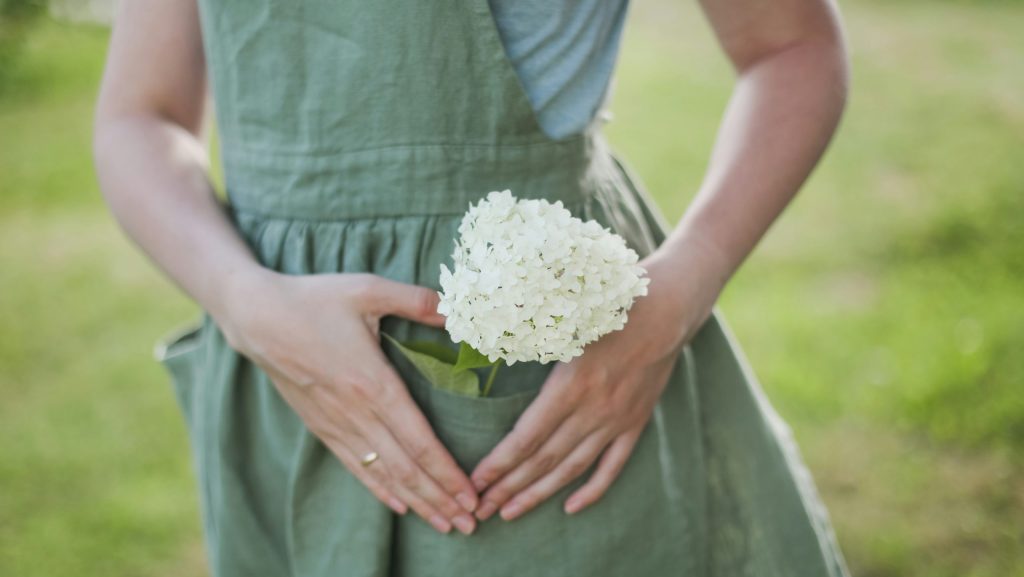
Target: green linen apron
354 137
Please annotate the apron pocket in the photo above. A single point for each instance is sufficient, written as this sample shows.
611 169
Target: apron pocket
471 426
178 352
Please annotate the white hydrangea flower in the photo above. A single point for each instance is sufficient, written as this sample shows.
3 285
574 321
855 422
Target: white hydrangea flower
534 283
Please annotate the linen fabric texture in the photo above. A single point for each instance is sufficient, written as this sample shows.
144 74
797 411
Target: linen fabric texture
354 136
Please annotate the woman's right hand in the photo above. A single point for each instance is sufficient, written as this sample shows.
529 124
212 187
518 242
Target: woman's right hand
317 338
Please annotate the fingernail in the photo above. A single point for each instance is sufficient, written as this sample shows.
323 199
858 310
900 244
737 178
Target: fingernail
479 484
487 508
511 510
440 523
467 501
572 505
398 506
464 523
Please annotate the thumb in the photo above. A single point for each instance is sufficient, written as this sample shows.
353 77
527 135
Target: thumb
409 301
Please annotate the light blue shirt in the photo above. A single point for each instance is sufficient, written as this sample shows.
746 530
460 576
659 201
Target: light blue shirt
564 52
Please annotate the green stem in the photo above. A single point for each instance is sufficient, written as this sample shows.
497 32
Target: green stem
490 378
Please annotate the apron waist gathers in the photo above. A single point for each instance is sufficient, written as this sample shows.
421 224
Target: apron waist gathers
416 179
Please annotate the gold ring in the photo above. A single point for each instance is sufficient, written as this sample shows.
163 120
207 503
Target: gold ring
369 458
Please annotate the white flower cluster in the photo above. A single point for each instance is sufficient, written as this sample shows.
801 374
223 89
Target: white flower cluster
534 283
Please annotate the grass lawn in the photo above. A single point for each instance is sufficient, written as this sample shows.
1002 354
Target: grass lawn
883 313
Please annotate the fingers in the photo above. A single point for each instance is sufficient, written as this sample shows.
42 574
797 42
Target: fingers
566 438
413 302
426 450
608 469
537 423
394 477
413 431
395 406
370 476
422 472
414 485
390 484
574 465
339 436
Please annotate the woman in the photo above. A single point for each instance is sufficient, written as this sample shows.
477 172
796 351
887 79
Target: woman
354 135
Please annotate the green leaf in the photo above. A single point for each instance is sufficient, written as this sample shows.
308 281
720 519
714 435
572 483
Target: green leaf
434 349
470 358
439 373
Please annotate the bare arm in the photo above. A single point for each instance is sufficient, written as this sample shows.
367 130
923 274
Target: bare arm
316 336
150 157
790 92
791 89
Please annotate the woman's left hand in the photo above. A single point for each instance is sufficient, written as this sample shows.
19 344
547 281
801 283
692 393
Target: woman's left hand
599 401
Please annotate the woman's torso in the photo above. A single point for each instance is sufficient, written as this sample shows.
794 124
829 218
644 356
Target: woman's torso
415 107
354 135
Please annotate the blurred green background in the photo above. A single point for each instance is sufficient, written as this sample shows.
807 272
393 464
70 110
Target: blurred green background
883 313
